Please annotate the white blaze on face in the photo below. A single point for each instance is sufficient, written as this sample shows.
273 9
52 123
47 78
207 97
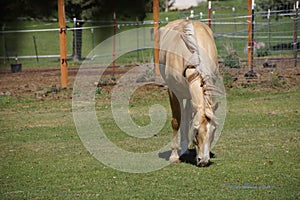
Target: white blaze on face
206 143
208 126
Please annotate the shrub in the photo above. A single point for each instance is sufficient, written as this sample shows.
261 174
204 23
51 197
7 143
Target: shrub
232 59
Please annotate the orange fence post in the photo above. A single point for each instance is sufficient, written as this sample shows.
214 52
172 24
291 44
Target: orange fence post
250 39
250 34
250 73
156 35
62 42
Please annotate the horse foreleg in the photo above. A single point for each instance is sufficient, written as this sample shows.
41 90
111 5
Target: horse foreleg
176 115
186 140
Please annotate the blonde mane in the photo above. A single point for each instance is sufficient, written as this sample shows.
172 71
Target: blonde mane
208 74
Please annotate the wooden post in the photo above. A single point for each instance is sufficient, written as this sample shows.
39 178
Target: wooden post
156 35
250 73
250 39
63 46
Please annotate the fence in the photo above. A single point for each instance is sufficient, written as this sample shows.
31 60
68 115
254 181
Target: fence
40 47
37 44
275 45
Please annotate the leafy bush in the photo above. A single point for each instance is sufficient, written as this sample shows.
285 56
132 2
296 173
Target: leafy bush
228 80
262 52
232 59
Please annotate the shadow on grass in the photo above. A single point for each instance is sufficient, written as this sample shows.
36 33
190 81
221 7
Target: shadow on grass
188 157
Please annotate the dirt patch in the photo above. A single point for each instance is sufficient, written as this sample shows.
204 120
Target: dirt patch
45 82
28 81
272 74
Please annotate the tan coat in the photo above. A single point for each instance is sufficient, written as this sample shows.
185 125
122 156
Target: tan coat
188 64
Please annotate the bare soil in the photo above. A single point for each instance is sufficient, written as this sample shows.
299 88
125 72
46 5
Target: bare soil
45 82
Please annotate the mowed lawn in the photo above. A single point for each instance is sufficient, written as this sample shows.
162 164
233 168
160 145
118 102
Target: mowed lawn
257 155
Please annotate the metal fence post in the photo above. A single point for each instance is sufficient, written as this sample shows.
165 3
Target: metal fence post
234 22
114 44
35 48
74 39
269 31
93 41
137 40
296 6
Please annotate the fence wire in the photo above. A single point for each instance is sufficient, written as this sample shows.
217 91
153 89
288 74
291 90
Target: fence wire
273 41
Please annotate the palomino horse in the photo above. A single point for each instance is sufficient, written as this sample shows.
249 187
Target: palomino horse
188 64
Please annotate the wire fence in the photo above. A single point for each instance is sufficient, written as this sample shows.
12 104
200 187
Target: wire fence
275 46
37 44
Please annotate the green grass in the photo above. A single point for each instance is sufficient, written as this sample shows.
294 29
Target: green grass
257 155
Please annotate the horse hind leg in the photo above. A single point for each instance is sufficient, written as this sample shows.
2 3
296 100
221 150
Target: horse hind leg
176 115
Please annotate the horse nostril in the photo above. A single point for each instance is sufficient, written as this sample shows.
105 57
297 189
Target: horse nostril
198 161
202 163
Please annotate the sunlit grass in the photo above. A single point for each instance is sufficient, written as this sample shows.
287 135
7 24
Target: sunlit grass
42 156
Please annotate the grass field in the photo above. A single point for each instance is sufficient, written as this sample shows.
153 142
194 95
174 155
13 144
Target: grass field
257 155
